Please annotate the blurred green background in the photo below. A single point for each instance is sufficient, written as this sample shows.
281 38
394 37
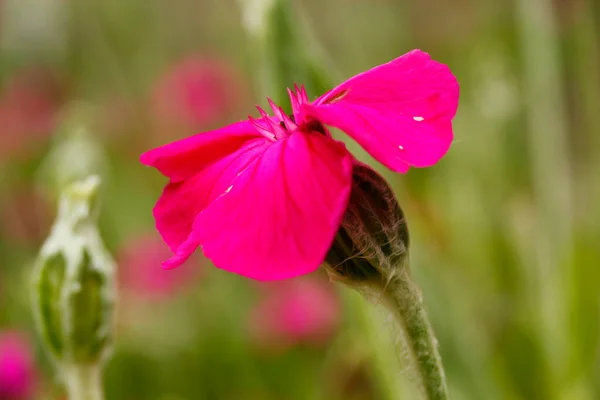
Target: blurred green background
505 229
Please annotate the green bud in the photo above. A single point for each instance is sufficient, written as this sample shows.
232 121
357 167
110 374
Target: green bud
73 281
371 246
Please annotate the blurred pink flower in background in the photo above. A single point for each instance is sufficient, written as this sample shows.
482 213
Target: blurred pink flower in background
194 93
141 274
25 216
17 368
29 102
302 310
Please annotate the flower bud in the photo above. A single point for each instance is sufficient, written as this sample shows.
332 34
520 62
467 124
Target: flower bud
73 281
371 245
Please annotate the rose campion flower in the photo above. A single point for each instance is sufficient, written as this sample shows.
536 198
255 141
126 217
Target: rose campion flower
138 275
195 92
265 197
17 371
29 103
295 311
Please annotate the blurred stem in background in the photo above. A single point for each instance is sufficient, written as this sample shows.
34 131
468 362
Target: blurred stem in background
273 46
281 54
90 39
582 59
552 180
585 57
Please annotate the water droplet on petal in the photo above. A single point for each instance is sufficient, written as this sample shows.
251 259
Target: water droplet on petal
401 147
418 119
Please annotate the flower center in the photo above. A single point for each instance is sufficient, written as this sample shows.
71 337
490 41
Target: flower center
282 125
310 126
316 126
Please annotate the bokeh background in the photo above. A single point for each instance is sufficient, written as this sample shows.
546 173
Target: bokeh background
505 229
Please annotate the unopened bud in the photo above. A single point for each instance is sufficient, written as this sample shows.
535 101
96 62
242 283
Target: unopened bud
371 246
73 285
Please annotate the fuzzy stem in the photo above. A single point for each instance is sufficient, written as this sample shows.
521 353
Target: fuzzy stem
404 299
83 382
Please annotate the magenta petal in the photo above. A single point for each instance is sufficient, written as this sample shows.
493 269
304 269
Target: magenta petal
182 201
400 112
184 158
279 217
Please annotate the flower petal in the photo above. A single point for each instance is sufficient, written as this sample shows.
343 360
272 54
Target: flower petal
400 112
280 216
182 199
184 158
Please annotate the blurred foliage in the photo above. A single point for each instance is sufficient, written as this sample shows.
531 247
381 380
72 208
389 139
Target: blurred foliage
505 230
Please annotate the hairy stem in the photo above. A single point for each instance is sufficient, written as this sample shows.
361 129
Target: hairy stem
83 382
404 299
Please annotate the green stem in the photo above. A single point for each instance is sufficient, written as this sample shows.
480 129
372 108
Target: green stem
552 183
83 382
404 299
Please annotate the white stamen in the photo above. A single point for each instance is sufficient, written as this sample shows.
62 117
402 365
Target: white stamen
418 119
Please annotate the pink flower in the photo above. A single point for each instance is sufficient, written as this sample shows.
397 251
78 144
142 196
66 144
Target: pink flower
296 311
28 106
139 276
195 92
17 372
264 198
